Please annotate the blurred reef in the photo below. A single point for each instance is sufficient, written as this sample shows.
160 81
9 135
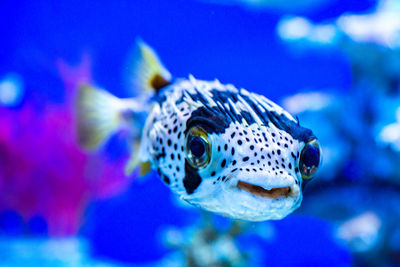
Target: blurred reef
358 185
44 173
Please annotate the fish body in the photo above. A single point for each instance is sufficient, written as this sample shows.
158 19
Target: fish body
220 148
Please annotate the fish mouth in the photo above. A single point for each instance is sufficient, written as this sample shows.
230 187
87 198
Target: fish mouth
265 193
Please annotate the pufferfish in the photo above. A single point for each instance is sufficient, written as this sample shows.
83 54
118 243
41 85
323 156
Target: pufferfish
220 148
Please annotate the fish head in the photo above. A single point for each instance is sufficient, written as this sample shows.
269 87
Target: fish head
248 172
240 155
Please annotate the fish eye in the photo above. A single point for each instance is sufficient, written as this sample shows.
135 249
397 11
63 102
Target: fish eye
198 147
310 159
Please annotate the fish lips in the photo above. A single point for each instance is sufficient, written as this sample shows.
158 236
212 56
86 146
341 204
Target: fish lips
267 186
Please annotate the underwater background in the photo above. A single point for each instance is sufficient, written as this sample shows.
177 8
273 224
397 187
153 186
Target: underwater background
333 63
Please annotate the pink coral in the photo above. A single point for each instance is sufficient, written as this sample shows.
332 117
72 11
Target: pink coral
43 171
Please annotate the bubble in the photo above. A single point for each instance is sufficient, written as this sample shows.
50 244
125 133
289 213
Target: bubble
11 90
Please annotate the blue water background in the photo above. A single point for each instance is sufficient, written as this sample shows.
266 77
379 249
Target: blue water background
233 44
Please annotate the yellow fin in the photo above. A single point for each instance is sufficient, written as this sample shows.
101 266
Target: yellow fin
98 116
145 168
131 165
149 74
134 162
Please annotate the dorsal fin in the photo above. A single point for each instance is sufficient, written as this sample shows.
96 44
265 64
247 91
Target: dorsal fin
149 74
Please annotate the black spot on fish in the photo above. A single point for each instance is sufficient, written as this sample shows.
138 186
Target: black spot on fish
166 179
247 116
192 179
161 155
210 118
218 118
223 163
295 130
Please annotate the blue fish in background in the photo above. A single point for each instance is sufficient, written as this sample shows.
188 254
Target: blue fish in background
218 147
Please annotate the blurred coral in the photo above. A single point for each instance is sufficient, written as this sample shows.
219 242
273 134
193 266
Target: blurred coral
43 171
358 185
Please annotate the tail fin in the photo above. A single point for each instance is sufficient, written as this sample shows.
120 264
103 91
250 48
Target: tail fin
101 114
98 116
